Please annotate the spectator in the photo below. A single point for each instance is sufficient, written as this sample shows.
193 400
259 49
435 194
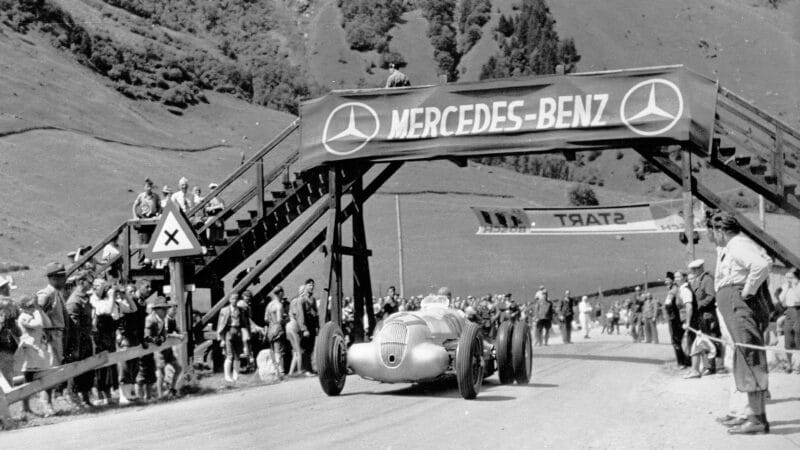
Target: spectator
565 316
705 296
675 312
9 333
276 334
742 268
166 196
107 303
52 301
232 319
34 354
789 297
597 310
692 319
197 195
649 316
155 332
585 315
396 78
216 229
543 313
79 332
615 315
390 305
6 286
129 330
637 322
311 321
296 330
181 197
146 206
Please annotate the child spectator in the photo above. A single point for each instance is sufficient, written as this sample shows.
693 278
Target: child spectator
151 370
232 319
34 354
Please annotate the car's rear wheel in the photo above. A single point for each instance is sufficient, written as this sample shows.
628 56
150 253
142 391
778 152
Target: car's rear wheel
469 361
331 358
522 353
502 349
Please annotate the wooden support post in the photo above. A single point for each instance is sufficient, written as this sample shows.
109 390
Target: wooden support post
260 187
688 211
5 412
125 247
362 284
332 310
178 298
400 247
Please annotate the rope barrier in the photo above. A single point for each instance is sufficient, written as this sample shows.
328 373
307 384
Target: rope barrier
739 344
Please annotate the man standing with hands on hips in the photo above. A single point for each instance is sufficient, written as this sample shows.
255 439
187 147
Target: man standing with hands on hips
742 266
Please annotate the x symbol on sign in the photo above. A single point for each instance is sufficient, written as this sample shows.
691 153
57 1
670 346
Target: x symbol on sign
171 237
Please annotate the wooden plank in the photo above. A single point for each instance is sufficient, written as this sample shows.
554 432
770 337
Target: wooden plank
95 250
778 161
260 188
712 199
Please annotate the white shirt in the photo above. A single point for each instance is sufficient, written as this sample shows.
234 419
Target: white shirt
742 261
184 201
584 308
790 296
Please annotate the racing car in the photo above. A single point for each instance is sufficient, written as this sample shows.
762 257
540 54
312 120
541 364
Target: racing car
427 345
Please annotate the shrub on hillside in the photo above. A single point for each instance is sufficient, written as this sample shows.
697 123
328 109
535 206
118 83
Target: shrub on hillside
440 15
392 57
471 16
367 22
582 195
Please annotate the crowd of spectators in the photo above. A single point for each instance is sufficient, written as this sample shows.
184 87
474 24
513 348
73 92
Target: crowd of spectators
75 317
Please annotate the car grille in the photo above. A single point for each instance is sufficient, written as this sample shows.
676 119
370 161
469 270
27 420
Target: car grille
393 344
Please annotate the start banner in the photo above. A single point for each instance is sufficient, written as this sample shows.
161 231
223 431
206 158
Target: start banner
659 217
522 115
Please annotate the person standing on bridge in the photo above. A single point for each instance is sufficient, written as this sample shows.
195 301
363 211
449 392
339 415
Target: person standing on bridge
396 78
146 206
182 198
742 267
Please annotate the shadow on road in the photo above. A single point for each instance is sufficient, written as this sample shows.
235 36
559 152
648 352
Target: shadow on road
778 427
443 389
783 400
628 359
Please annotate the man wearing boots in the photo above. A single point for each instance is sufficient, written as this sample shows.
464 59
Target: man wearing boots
742 267
673 305
232 321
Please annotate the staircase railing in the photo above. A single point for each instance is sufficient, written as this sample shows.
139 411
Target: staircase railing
772 144
128 250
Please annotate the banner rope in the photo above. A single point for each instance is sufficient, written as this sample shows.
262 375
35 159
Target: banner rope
739 344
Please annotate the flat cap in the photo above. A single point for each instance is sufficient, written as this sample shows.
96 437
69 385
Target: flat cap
696 264
55 269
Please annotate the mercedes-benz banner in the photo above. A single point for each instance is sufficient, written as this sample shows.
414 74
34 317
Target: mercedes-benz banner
667 105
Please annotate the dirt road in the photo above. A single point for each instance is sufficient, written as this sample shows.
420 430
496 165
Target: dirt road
599 393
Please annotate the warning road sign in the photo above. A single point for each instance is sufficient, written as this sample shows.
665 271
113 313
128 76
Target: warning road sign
174 236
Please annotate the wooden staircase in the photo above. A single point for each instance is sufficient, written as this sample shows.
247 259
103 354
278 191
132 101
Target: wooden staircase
757 150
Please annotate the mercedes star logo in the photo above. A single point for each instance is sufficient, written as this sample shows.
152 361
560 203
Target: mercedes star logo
664 104
362 126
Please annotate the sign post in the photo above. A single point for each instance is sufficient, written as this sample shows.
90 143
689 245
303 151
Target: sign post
175 239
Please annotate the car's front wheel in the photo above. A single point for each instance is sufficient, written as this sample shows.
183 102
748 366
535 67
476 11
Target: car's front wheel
331 358
502 351
469 361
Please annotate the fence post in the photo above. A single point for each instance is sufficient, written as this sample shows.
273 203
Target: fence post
688 207
5 413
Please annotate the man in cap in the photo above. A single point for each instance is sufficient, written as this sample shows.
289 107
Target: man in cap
673 305
52 300
182 198
742 268
703 287
396 78
79 336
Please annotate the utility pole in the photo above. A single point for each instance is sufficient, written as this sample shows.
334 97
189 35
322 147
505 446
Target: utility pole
400 245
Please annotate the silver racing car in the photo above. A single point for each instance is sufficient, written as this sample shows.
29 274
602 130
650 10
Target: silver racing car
426 345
